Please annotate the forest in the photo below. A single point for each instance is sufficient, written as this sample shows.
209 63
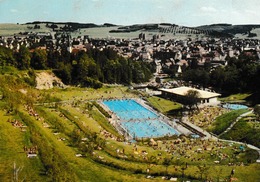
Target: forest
95 67
241 75
89 69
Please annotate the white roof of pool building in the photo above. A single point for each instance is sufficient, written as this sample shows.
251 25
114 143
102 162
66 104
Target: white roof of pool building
183 90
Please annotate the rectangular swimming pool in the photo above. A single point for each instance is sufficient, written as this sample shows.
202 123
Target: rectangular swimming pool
138 121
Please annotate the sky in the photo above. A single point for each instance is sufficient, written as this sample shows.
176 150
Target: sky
128 12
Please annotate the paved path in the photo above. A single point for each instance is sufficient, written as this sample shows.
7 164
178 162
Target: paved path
210 136
204 132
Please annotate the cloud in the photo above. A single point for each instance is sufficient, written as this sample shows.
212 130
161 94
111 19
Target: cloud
208 9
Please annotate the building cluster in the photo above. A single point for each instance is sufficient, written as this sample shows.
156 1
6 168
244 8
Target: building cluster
164 53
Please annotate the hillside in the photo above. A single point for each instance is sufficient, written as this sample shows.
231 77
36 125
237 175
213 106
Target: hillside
73 140
166 30
228 29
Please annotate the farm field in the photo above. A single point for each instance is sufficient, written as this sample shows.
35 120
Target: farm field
96 32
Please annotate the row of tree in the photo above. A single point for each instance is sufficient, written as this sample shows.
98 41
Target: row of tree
85 69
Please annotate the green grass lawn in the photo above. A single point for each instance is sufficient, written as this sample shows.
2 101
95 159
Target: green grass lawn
74 93
235 98
163 105
224 121
245 132
85 168
103 122
12 141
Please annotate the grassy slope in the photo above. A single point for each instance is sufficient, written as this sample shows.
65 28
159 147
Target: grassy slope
224 121
245 132
12 141
85 168
163 105
98 32
90 94
235 98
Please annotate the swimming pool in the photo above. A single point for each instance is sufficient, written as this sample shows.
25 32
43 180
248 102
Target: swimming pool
234 106
138 121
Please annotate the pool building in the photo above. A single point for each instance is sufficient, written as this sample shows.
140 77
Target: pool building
135 120
177 94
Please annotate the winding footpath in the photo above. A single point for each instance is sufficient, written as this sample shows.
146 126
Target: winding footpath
208 135
233 123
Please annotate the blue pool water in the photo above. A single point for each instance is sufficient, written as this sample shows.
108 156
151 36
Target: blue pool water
129 110
234 106
148 128
139 121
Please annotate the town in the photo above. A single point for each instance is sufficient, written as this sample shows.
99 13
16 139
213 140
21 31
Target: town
174 103
169 54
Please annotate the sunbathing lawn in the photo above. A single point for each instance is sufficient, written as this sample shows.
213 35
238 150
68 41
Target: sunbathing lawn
235 98
163 105
12 141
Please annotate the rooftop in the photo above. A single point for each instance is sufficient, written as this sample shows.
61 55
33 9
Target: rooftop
183 90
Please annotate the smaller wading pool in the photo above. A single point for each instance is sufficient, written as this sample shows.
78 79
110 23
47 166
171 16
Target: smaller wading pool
234 106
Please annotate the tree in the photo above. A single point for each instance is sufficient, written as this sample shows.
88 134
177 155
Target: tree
140 72
217 78
191 98
85 69
39 59
76 137
6 57
64 72
23 58
203 170
166 163
86 72
183 168
199 76
53 58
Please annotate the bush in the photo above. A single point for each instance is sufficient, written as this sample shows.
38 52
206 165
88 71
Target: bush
90 82
30 81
